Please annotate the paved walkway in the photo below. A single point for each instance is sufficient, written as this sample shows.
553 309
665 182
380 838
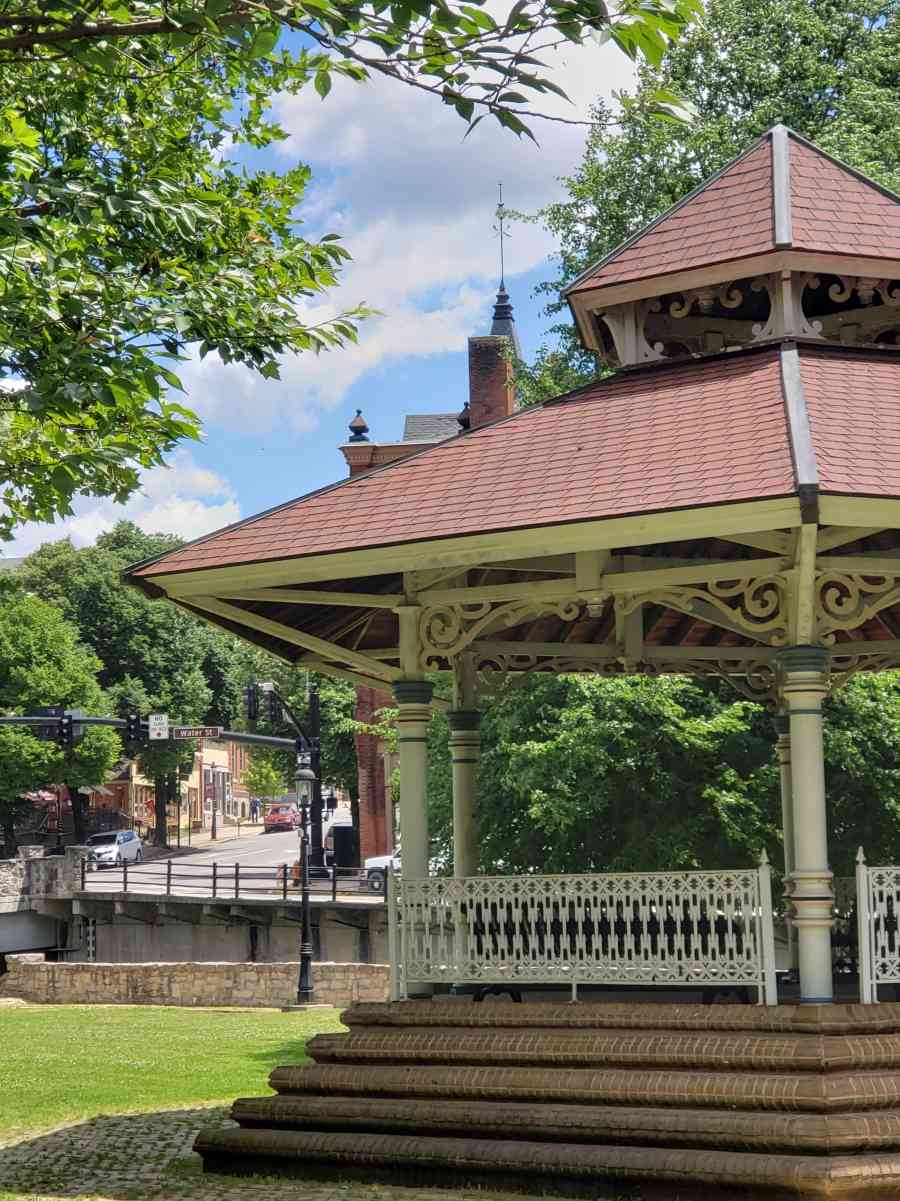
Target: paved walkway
148 1157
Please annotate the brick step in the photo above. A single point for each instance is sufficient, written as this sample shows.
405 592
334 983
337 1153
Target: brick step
537 1046
535 1166
587 1015
810 1133
790 1092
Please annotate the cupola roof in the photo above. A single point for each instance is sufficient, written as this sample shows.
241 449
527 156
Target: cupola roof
782 194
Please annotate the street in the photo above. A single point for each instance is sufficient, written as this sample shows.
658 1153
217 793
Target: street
253 864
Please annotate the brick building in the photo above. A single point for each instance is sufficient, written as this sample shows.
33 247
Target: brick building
491 397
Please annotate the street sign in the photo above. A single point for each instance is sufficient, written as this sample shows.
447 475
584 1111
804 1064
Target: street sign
158 727
195 732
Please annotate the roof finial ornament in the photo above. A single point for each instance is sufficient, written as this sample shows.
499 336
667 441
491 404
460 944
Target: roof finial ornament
501 233
503 322
358 428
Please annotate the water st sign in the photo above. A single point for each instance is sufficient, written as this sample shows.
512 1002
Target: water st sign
158 727
196 732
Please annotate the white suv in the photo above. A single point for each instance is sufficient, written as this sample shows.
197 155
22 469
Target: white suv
114 849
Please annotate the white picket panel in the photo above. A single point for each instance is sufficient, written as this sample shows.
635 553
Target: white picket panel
654 928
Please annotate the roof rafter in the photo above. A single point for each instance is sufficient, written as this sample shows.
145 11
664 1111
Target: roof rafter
276 629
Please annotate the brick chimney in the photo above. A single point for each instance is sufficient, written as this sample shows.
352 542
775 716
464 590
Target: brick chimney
492 389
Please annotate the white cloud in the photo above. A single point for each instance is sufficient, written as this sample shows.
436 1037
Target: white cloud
414 203
183 499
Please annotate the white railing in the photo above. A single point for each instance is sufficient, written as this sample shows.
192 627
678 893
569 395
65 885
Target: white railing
654 928
877 908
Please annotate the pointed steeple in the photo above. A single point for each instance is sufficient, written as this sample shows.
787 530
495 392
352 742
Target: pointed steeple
504 323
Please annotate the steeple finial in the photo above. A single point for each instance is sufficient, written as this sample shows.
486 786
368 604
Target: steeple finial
358 428
503 322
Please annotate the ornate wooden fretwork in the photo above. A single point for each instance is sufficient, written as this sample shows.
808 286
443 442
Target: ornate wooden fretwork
846 601
756 680
728 295
755 606
445 630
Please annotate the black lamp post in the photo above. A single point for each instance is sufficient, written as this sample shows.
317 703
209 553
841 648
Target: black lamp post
306 781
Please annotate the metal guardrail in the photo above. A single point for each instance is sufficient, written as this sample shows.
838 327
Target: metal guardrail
231 881
659 928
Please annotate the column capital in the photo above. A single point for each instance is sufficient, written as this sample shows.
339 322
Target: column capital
413 692
463 719
803 659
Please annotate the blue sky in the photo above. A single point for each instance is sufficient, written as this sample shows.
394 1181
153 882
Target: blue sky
414 204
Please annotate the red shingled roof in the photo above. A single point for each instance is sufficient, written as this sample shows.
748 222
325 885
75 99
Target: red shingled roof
853 401
674 436
833 210
837 211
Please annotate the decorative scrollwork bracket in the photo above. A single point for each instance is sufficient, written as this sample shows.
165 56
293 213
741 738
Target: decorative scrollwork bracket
445 630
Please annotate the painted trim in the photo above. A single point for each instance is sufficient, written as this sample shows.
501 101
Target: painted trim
806 471
781 186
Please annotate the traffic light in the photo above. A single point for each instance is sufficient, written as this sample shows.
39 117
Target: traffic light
65 732
251 703
133 728
274 708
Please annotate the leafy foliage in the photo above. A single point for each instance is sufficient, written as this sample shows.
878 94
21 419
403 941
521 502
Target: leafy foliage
43 663
584 774
481 62
829 70
262 777
127 240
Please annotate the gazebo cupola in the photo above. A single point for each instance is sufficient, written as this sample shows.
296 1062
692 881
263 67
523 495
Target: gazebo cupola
783 242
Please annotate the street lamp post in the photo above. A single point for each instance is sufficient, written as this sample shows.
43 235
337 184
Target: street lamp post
306 781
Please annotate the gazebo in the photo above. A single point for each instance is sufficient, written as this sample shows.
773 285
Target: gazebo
726 504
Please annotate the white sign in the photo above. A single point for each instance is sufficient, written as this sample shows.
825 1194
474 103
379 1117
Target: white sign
158 726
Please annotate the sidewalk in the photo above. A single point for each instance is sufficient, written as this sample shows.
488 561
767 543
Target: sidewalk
202 840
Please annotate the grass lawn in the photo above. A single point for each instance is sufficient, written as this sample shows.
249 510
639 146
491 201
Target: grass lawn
103 1102
63 1063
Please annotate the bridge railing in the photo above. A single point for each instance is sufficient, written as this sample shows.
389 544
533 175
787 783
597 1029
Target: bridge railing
228 881
658 928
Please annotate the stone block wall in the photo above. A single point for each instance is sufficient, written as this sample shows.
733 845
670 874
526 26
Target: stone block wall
254 985
12 877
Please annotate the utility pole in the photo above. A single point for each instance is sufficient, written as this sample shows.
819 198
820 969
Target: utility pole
316 849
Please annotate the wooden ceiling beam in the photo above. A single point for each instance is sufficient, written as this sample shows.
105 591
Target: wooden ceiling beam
840 535
309 642
309 596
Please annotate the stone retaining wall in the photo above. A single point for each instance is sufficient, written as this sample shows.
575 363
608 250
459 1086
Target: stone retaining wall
12 877
257 985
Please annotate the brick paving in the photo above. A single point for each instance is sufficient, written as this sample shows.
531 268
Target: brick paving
148 1157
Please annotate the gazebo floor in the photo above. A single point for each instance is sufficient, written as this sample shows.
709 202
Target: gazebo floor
576 1098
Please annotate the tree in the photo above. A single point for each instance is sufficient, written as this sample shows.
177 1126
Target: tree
130 240
42 663
461 53
25 764
580 774
152 657
829 70
263 777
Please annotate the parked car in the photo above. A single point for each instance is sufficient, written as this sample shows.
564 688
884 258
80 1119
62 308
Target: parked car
376 869
113 849
281 817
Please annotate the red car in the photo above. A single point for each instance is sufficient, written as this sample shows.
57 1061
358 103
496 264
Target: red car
281 817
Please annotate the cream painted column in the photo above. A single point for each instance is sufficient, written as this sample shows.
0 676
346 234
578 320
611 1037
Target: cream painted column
782 724
804 675
465 751
413 697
